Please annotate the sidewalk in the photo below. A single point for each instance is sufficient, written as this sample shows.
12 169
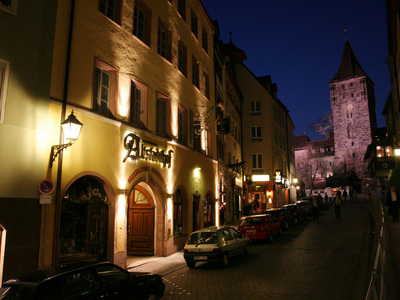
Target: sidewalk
166 265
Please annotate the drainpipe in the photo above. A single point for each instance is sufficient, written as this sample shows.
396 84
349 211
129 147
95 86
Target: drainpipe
60 156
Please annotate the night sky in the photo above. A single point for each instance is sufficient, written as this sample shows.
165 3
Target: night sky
300 44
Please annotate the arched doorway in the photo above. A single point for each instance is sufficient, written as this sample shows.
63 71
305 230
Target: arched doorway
140 222
83 223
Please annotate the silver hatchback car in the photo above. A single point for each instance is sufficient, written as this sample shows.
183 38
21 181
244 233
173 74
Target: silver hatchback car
215 244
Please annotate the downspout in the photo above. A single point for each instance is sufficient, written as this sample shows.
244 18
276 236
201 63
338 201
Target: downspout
60 156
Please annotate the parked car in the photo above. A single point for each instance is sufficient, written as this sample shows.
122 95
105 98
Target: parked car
84 281
260 227
305 204
283 215
296 211
215 244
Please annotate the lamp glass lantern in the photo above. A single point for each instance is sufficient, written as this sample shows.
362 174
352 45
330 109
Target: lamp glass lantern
71 128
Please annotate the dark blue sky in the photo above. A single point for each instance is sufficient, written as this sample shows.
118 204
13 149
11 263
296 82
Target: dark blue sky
300 44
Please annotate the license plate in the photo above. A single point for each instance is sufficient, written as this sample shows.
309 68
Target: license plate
200 258
250 230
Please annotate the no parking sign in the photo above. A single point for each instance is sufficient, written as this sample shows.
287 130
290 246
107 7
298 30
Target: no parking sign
46 186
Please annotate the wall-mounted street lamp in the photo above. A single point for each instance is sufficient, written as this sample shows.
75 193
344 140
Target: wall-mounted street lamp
71 128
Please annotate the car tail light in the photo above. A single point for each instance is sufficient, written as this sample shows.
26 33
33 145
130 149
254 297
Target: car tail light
216 250
185 251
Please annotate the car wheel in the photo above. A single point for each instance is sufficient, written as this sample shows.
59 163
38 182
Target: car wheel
248 249
152 295
271 237
287 226
225 260
191 264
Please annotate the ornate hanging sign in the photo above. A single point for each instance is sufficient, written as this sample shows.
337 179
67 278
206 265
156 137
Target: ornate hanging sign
137 150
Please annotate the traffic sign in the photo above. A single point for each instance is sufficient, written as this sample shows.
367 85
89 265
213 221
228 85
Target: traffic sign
46 186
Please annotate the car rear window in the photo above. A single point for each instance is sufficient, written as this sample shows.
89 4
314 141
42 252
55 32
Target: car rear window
203 237
253 221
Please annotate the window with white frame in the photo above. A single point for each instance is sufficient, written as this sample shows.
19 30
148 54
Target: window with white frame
104 88
112 9
256 161
142 22
164 41
138 105
4 73
182 58
9 6
256 133
182 125
161 116
255 107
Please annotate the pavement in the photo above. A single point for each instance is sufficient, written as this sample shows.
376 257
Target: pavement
391 244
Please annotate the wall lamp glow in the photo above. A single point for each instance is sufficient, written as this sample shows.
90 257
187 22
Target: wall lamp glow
72 129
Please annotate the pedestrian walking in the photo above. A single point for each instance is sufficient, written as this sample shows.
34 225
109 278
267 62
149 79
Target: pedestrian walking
392 200
314 203
345 195
326 201
337 203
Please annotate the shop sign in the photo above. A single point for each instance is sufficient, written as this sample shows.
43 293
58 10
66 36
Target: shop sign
137 150
278 177
147 169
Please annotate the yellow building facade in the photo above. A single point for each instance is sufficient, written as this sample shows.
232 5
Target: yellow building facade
143 174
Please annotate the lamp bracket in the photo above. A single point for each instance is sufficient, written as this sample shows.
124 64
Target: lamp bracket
56 149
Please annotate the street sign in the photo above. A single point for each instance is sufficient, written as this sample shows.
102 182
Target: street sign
45 199
46 186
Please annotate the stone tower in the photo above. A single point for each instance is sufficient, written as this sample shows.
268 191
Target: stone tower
353 109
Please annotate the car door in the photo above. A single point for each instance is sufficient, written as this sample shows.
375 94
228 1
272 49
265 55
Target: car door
240 240
229 243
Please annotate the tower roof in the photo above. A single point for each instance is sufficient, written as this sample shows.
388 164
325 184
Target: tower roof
349 65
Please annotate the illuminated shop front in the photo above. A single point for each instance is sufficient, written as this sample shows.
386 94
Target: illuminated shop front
148 209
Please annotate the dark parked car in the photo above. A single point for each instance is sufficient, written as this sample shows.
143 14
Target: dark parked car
305 204
296 211
95 281
283 215
215 244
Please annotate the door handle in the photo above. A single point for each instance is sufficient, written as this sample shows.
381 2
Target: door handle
129 228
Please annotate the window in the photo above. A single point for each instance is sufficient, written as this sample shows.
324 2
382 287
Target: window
178 214
194 24
257 161
138 108
182 58
4 71
104 89
206 84
182 8
256 133
255 107
112 9
182 125
204 39
142 22
9 5
195 72
164 41
162 115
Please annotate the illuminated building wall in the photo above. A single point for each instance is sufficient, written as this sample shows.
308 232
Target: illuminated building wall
25 68
151 148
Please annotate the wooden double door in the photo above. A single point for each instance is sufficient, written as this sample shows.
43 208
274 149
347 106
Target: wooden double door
140 222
